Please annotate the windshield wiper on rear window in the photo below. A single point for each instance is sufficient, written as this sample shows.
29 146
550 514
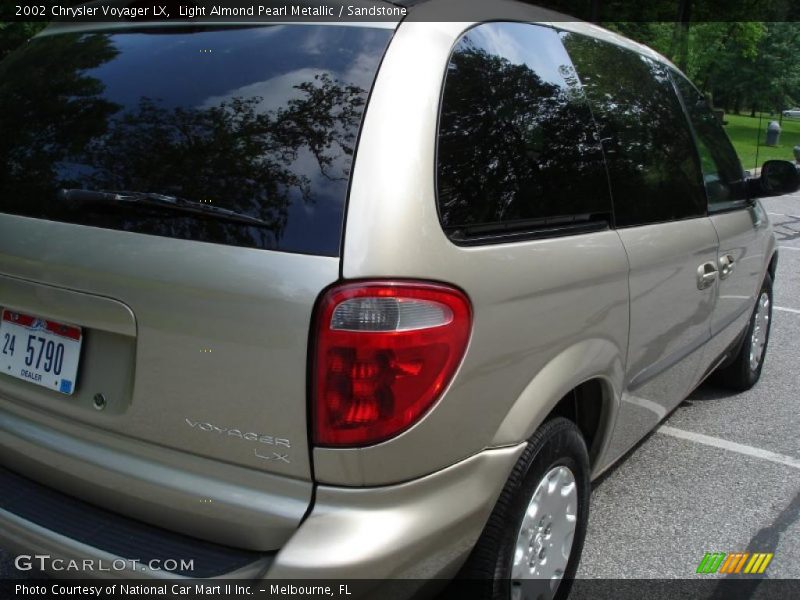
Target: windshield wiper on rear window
159 201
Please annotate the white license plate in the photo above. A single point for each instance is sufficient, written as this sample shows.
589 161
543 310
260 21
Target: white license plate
40 351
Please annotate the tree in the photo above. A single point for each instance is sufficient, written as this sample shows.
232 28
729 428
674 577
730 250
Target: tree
534 155
774 70
60 131
13 35
737 64
232 152
59 105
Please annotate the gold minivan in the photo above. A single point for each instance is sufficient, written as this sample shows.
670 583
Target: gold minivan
373 300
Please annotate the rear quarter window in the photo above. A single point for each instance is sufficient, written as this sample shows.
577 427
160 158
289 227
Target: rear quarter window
262 121
518 155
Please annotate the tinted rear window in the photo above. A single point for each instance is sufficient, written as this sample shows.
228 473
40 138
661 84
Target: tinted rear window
262 121
517 146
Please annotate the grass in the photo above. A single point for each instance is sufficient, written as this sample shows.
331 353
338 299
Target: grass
743 131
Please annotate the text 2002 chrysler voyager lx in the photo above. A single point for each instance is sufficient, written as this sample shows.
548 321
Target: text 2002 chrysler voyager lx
370 301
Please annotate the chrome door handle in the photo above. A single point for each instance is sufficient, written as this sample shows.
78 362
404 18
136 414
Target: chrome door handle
706 275
726 265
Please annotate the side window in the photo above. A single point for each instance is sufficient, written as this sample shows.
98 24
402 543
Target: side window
722 171
651 157
518 154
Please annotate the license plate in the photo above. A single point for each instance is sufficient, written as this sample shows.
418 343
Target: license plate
40 351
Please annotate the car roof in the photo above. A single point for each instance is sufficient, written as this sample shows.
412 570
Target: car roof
533 12
57 27
528 11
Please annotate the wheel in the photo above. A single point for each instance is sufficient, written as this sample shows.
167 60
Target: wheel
745 369
531 545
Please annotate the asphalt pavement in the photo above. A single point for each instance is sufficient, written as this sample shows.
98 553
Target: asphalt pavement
722 474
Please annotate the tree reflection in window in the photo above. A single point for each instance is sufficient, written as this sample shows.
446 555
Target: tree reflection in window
652 161
723 176
517 147
286 163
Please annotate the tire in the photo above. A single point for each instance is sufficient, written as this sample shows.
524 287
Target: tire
744 371
555 448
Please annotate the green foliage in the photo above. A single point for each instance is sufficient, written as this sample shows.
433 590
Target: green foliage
745 132
717 46
741 65
657 35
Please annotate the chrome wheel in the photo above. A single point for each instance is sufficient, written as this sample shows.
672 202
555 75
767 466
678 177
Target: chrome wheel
544 540
758 339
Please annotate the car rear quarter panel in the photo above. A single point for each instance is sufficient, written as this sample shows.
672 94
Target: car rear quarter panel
551 311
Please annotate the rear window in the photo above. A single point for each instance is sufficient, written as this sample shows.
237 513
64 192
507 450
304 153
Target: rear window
259 121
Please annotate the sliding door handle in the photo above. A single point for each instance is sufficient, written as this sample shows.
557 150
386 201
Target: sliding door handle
726 266
706 275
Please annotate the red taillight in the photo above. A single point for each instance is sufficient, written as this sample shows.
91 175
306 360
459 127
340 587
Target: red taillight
384 353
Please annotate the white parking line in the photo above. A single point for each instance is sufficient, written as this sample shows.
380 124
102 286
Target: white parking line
783 215
789 310
732 446
787 248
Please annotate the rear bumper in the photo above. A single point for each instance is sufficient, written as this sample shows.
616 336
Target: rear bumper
71 538
180 492
422 530
37 549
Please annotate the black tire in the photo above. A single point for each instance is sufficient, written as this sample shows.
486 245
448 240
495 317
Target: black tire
487 573
739 375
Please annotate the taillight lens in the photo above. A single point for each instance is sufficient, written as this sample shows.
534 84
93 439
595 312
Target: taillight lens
384 353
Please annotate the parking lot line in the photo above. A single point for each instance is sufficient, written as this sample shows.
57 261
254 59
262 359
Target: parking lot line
789 310
788 248
732 446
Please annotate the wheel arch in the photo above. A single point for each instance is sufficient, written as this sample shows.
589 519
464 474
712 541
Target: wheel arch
772 267
588 406
583 384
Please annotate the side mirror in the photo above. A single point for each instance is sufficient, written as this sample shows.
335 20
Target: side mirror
779 177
